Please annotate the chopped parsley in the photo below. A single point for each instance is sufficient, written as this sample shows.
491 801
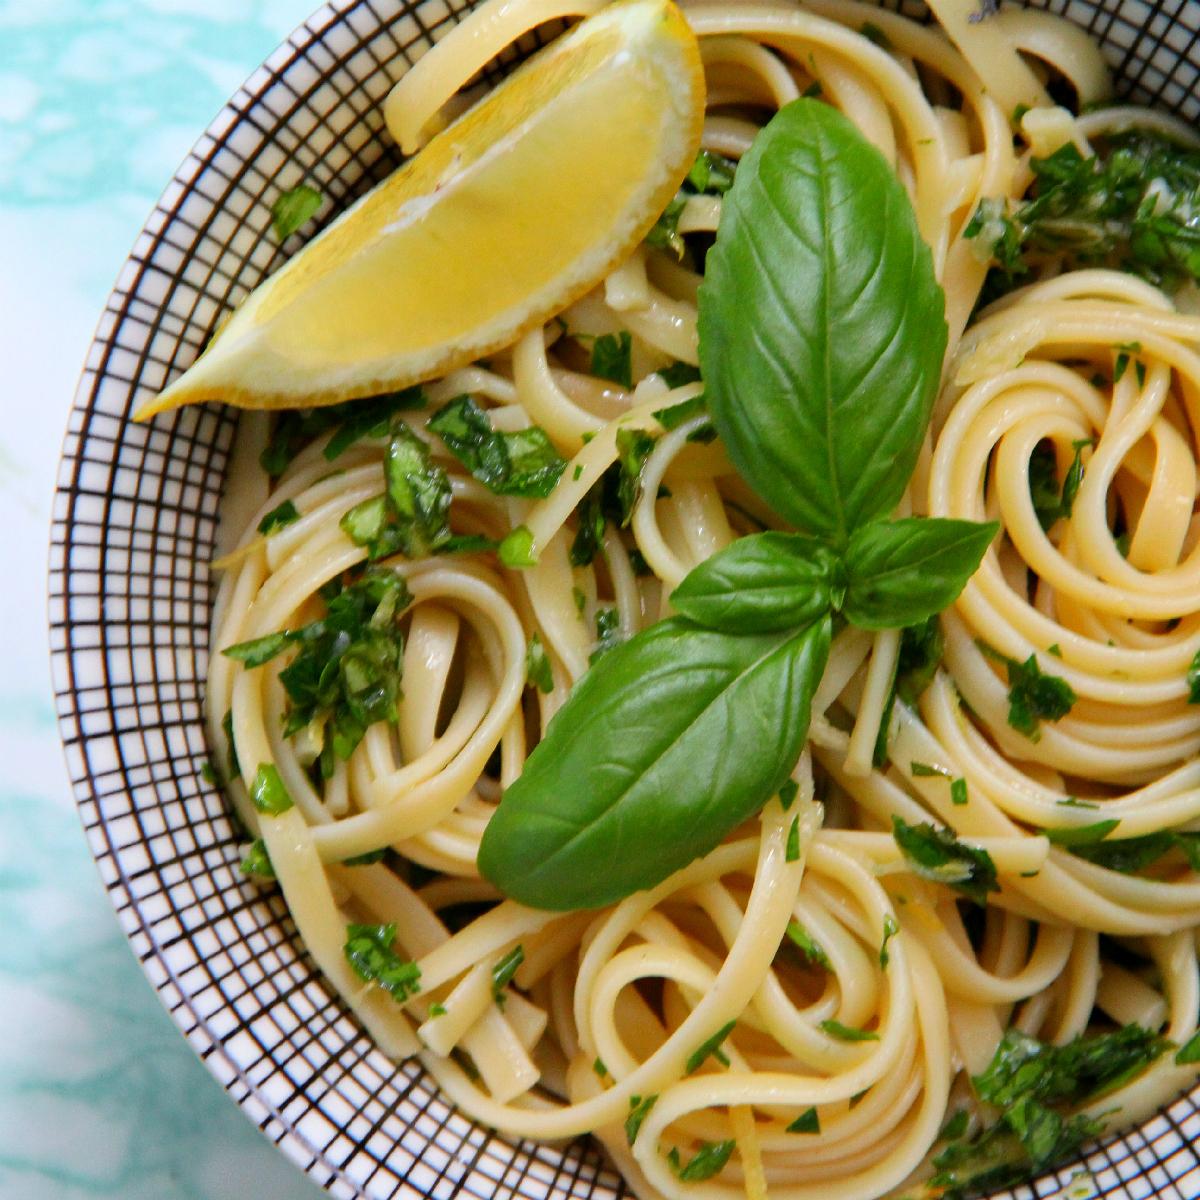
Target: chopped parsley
503 972
1130 855
704 1164
538 671
935 853
846 1033
1130 207
347 674
267 792
958 791
608 633
712 1047
788 791
804 942
613 497
890 929
1032 696
369 951
639 1108
806 1122
258 861
792 853
524 463
612 358
1081 835
1033 1086
1049 501
410 516
711 174
351 420
278 518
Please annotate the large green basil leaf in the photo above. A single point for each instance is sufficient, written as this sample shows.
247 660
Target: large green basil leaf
900 573
822 327
762 583
664 746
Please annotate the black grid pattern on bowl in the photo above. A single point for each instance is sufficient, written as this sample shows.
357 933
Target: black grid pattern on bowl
134 523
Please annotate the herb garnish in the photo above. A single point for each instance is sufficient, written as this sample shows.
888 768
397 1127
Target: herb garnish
1033 1086
935 853
639 1107
351 420
369 951
712 1047
612 358
846 1033
503 972
257 861
711 173
807 946
278 518
524 463
821 383
347 674
1032 696
806 1122
704 1164
1131 207
293 208
538 671
1049 502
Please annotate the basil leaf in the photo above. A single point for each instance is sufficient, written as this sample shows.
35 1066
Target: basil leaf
847 1033
806 1122
369 952
639 1109
1081 835
761 583
704 1164
367 418
524 463
645 767
1033 696
612 358
821 324
260 650
900 573
712 1047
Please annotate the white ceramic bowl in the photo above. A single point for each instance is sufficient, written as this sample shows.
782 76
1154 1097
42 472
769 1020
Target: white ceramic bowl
130 597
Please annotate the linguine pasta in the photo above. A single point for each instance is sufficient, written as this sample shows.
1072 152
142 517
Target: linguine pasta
846 996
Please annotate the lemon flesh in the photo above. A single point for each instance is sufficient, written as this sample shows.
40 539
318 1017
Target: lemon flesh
505 218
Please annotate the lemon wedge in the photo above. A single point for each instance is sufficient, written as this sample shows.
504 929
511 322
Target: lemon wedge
510 214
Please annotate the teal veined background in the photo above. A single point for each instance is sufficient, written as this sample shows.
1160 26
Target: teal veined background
99 1094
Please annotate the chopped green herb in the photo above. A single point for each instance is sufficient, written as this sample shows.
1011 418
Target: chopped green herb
921 648
503 972
845 1033
1081 835
209 774
436 1010
1033 1086
1122 365
890 929
466 1063
600 1069
580 601
366 860
639 1108
369 951
260 650
792 853
578 471
1139 369
235 768
516 550
804 942
664 233
712 173
634 446
1189 1052
1032 696
677 375
788 792
956 1126
278 518
1130 855
350 420
685 410
1074 802
293 208
1049 503
1019 112
608 633
1130 207
638 564
1193 680
612 358
258 861
711 1047
936 854
1056 650
958 791
922 770
814 90
705 1163
538 671
806 1122
267 792
873 33
524 463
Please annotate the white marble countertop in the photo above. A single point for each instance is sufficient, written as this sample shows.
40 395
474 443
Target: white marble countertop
99 1094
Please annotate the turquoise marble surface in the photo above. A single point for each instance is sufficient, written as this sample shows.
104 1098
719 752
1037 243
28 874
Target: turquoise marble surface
99 1094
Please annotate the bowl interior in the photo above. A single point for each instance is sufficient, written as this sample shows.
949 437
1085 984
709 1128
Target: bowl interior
135 521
